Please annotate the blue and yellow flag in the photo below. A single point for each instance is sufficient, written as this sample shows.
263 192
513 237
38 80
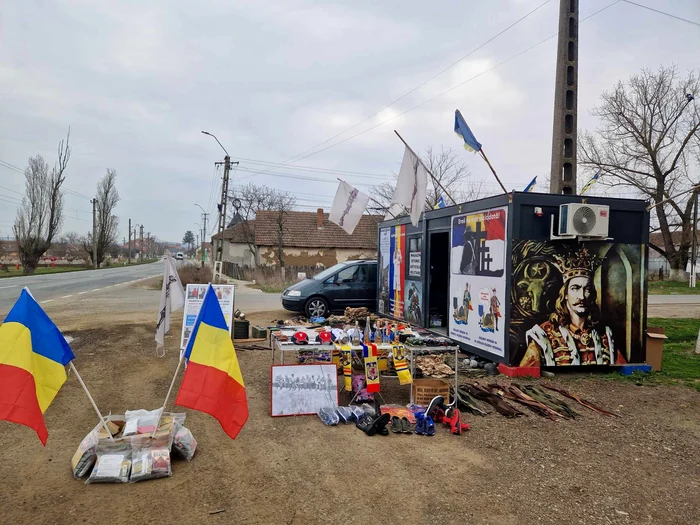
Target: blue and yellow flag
33 357
531 187
461 128
440 203
213 382
591 182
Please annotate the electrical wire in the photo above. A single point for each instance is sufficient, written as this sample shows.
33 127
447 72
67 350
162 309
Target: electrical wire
313 169
663 13
299 156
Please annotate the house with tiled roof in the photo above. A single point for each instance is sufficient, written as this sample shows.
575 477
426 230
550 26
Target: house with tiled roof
299 239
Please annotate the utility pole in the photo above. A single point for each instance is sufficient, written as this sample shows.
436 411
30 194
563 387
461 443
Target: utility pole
563 172
129 256
94 233
148 242
141 250
204 236
222 218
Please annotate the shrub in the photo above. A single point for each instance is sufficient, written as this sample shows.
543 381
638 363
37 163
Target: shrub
192 274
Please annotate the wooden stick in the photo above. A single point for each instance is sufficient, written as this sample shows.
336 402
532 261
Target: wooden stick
493 170
167 396
99 414
426 169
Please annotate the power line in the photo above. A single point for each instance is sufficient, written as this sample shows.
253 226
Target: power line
452 88
299 156
663 13
312 168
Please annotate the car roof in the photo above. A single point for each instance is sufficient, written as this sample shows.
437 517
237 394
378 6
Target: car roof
370 261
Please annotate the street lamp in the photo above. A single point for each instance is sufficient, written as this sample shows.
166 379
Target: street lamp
217 140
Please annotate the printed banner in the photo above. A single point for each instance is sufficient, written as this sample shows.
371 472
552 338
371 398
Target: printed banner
478 281
194 297
577 303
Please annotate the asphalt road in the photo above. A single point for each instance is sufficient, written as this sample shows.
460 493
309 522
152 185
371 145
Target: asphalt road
57 286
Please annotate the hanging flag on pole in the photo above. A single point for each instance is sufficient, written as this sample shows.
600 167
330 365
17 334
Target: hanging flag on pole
33 357
531 187
591 182
440 203
172 297
411 187
348 206
213 382
462 129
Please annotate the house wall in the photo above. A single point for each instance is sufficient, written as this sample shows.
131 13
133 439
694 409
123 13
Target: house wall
312 257
238 253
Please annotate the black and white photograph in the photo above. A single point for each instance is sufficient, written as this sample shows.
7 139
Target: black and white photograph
298 390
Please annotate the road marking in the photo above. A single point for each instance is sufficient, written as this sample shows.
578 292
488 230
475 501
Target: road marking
13 286
47 301
81 293
67 296
96 290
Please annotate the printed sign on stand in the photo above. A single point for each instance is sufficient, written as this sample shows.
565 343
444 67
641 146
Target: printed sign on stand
194 297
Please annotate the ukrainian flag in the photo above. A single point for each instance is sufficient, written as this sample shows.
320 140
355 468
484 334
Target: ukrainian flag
531 187
213 382
591 182
33 357
461 128
440 203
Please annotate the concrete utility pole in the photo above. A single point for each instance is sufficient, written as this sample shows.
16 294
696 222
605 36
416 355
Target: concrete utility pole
129 256
563 173
141 247
148 243
94 233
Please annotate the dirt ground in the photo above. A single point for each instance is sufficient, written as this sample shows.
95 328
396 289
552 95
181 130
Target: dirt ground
641 468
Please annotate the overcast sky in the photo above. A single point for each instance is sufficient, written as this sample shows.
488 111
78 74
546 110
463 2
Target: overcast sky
137 81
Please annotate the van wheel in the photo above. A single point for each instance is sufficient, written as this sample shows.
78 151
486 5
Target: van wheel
316 307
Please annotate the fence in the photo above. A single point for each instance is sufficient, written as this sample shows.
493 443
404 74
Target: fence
287 273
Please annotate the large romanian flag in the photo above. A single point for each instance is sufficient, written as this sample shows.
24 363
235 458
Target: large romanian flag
33 357
213 381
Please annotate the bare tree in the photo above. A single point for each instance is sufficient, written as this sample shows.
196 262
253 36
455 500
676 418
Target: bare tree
107 223
448 169
41 213
248 200
644 144
285 204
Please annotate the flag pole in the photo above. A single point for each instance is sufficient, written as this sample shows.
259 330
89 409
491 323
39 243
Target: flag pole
167 396
97 410
426 169
493 170
375 201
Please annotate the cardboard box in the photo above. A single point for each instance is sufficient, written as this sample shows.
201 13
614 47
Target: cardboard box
655 347
426 389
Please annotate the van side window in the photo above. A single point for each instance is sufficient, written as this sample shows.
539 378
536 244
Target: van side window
347 275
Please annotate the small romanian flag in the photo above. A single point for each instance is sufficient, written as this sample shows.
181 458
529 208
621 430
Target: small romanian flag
33 359
213 381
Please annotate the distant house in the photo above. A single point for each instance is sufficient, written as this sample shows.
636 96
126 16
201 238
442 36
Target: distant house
656 260
303 238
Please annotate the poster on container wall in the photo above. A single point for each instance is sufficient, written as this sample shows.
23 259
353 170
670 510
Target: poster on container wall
478 280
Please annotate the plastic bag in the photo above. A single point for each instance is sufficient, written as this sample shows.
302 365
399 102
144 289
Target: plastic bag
111 467
184 442
150 463
140 421
329 416
346 415
86 455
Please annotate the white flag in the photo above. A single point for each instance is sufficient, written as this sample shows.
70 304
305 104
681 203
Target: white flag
411 187
172 297
348 206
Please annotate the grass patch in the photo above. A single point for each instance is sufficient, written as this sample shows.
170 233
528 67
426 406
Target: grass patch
270 280
13 272
671 288
680 365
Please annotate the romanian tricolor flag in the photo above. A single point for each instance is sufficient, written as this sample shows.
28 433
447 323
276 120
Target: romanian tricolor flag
213 381
33 357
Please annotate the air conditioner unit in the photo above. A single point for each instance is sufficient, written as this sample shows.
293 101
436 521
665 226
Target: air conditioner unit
584 220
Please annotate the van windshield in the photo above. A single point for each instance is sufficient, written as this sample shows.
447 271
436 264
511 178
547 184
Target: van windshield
325 274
